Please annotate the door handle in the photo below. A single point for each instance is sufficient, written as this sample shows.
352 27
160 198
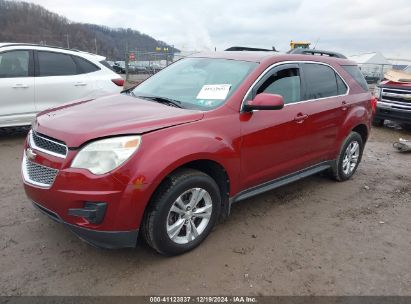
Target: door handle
20 86
344 105
80 84
300 118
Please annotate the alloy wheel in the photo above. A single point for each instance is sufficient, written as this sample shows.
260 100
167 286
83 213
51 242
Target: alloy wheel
351 156
189 215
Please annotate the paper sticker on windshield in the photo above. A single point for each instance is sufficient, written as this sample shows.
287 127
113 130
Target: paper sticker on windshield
214 91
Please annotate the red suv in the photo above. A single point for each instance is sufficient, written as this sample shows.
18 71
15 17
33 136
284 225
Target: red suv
169 157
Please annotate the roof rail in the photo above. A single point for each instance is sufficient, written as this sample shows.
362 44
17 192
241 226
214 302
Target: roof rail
41 45
244 48
37 44
316 52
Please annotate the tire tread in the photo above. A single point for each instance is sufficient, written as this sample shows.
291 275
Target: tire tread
335 170
153 209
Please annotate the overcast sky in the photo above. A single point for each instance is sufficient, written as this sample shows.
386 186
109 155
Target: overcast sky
348 26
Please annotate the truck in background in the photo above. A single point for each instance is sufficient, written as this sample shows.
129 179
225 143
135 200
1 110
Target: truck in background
394 98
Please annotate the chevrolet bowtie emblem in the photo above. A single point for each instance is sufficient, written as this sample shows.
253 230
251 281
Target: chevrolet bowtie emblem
30 154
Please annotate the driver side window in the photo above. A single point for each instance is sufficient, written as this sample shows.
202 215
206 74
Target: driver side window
286 83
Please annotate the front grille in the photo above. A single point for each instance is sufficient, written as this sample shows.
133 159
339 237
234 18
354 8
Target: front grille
37 174
47 145
396 98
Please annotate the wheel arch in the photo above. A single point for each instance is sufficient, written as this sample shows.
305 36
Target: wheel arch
217 172
208 166
363 131
360 128
358 121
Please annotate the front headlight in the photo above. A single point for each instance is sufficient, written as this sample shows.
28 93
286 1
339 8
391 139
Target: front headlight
377 92
104 155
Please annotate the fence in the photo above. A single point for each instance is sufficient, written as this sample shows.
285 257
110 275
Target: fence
141 65
374 73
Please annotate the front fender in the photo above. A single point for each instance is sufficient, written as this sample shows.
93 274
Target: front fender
164 151
163 155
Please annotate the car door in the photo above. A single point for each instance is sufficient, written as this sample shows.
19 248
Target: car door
273 140
325 110
58 80
16 88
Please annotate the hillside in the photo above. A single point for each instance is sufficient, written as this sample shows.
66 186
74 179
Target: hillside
31 23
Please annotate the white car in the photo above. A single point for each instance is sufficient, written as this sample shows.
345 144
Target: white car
34 78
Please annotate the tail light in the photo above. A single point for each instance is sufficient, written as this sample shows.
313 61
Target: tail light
118 81
374 105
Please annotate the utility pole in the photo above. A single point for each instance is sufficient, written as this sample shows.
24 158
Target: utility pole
126 61
67 38
95 43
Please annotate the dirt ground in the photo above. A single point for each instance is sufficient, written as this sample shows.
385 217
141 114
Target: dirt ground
314 237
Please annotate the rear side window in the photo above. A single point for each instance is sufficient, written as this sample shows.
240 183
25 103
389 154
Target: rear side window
321 81
55 64
355 73
14 64
85 66
284 82
107 65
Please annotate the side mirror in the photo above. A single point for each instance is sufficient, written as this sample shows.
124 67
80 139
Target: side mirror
265 101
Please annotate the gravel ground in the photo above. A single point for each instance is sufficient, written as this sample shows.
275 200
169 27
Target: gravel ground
313 237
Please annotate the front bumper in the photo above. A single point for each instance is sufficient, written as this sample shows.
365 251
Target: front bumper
101 239
74 196
402 116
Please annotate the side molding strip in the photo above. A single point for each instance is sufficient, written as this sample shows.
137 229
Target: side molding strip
281 181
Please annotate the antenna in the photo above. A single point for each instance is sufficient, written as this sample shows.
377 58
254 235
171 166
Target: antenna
315 45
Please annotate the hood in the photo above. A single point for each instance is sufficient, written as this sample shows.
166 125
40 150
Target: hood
81 121
395 85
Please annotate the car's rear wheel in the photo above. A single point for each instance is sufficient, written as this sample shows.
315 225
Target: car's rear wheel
182 213
349 157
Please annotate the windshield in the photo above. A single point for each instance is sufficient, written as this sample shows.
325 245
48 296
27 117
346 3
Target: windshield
196 83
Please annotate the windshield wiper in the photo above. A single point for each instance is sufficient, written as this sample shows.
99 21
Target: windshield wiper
128 92
163 100
131 93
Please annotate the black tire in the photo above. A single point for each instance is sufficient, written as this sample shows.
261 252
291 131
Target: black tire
338 172
156 219
376 122
406 126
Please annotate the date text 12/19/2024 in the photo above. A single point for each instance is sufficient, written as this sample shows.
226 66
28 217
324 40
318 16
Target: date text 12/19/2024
203 299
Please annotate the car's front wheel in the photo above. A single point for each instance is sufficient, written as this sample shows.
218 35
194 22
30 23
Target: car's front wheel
349 157
377 122
182 213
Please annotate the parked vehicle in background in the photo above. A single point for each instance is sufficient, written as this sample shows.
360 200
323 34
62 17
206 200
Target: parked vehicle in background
119 67
394 99
35 77
154 68
136 67
169 157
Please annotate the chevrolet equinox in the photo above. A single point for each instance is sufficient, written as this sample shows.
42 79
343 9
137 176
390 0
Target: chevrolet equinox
169 157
